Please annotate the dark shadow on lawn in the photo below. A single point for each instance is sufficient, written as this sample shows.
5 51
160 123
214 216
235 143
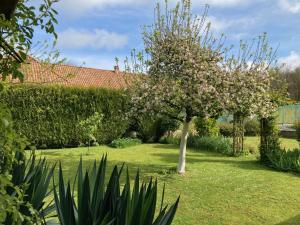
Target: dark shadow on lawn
212 157
245 164
292 221
166 146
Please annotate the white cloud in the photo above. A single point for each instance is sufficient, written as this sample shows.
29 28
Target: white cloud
293 6
224 3
290 62
76 7
221 25
95 39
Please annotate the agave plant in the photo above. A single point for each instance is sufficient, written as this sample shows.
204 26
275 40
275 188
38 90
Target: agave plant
33 178
100 204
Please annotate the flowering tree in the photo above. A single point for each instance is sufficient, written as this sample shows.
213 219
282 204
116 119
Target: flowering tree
249 80
184 78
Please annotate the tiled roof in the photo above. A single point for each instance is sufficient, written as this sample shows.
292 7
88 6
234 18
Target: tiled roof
72 76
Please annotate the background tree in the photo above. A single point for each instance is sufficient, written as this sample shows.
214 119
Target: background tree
293 81
249 84
17 30
183 78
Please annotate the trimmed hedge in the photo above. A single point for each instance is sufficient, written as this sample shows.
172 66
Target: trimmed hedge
49 116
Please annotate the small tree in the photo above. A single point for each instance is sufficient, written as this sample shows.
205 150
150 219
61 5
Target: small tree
249 85
90 126
183 78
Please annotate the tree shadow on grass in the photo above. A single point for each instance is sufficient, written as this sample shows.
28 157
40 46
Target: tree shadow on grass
292 221
166 146
213 157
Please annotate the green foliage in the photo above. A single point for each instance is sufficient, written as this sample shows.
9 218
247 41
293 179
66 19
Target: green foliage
30 184
125 142
165 126
145 128
17 32
297 126
269 139
226 129
251 127
293 80
206 127
271 152
50 116
100 204
213 144
11 196
152 128
89 127
169 140
23 184
11 204
6 140
285 160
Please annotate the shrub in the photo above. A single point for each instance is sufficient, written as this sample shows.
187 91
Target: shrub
165 126
269 139
282 159
49 116
206 127
125 142
151 129
169 140
98 203
32 177
145 128
251 127
7 136
297 126
226 129
213 144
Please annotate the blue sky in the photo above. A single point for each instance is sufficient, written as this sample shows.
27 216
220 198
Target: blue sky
94 32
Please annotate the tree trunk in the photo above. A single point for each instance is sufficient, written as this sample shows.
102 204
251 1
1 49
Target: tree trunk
182 153
238 134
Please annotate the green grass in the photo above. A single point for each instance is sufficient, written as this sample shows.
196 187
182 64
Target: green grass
287 143
215 189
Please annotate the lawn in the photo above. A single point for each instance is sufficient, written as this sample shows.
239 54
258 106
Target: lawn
287 143
215 189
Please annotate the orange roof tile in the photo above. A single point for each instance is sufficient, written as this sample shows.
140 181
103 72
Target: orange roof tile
72 76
